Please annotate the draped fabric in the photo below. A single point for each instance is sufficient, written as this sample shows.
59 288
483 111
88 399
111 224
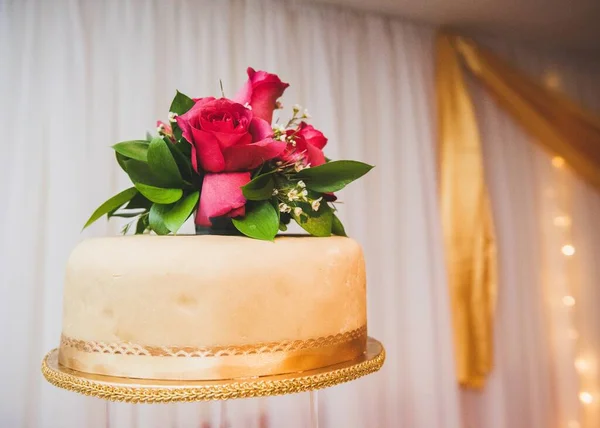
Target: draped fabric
554 121
547 326
79 76
467 223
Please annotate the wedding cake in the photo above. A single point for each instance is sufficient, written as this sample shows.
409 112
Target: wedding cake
212 307
237 301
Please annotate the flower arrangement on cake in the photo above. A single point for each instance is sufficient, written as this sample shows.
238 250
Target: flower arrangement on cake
224 160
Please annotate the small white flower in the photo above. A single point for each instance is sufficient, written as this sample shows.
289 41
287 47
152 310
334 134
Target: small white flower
172 116
279 128
306 114
275 192
278 163
282 137
316 204
298 211
293 195
278 105
160 129
301 184
304 193
297 108
248 106
284 208
298 166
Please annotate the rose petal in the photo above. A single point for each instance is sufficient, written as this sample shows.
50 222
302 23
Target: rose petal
222 196
260 129
312 135
206 151
249 156
314 155
261 91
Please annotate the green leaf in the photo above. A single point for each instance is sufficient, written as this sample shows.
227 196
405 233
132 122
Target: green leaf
137 149
162 164
260 222
122 161
139 201
333 176
183 162
181 103
177 215
260 188
337 228
139 172
317 224
159 195
156 219
112 204
142 224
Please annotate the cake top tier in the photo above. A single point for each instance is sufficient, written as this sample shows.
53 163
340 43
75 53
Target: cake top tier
228 162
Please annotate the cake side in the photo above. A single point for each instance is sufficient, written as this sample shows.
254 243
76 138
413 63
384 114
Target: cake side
132 303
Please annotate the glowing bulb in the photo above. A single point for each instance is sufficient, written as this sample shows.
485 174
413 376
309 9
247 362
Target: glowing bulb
562 221
558 162
568 250
586 397
568 301
581 364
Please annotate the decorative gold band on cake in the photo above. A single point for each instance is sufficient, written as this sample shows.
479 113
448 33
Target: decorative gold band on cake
210 363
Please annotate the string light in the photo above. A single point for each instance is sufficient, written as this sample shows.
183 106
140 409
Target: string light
582 365
568 301
568 250
562 221
558 162
586 397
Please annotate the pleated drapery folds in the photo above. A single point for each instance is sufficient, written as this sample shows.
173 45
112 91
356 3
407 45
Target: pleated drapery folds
552 120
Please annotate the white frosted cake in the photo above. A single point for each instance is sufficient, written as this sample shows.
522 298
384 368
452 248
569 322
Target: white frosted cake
212 307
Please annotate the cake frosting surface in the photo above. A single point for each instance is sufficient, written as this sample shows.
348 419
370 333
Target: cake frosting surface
212 307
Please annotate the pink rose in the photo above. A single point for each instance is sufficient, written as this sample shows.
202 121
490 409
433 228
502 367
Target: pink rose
309 145
261 91
165 129
222 196
225 136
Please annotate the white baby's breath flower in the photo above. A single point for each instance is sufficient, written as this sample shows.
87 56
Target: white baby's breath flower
304 193
172 116
299 166
298 211
293 195
316 204
284 208
282 137
297 108
275 192
248 106
306 114
279 128
160 129
301 184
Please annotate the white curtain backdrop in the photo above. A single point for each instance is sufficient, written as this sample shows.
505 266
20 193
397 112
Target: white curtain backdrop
78 76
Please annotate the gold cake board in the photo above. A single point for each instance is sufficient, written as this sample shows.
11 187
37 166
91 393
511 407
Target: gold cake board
171 391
